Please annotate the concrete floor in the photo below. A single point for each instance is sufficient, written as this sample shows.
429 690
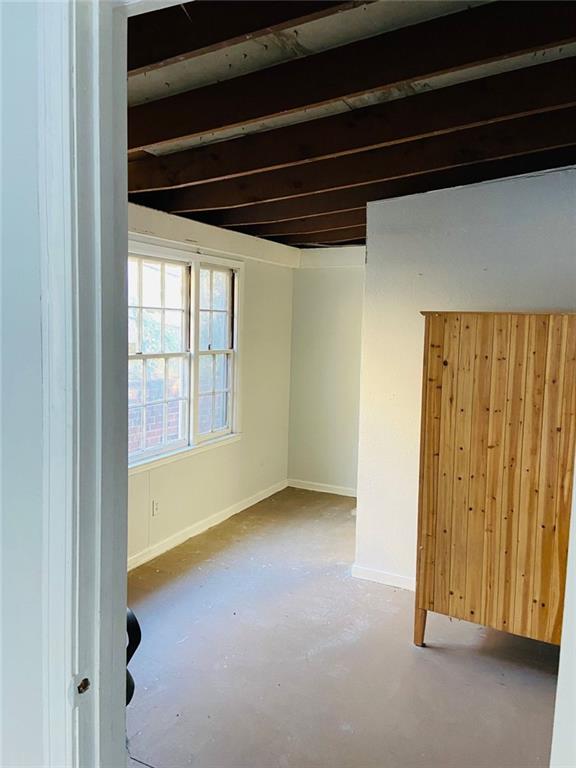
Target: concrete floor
261 651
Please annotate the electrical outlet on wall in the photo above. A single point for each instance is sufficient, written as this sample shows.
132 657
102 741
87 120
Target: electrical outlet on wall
155 508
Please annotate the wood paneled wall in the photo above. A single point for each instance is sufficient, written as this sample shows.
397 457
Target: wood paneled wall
497 459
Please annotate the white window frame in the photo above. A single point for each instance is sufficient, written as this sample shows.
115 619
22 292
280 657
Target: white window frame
152 248
185 355
197 353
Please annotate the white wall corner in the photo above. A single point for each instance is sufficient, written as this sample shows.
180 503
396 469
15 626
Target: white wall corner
201 526
306 485
344 256
382 577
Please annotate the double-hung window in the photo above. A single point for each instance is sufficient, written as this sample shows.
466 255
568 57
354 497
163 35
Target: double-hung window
182 344
215 356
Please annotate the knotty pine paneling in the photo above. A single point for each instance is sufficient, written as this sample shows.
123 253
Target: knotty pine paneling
496 469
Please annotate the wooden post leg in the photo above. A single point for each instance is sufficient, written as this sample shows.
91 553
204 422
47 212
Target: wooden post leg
420 626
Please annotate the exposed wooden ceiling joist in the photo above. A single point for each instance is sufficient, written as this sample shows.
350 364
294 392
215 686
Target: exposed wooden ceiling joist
348 199
492 31
237 57
188 30
523 136
312 224
336 236
501 97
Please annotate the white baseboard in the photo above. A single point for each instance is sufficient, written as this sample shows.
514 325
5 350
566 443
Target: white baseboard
381 577
203 525
305 485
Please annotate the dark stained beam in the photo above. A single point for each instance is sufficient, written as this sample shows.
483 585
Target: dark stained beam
190 29
348 199
498 141
314 224
483 34
501 97
344 235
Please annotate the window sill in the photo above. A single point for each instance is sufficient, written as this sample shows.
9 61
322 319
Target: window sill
182 453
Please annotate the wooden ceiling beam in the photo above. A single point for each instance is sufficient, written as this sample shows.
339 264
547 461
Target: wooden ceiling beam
502 97
187 30
483 34
523 136
340 235
312 224
348 199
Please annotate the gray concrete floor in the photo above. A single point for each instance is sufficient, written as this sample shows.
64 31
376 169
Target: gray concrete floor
261 651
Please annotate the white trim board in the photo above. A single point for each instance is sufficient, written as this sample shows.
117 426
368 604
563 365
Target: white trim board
306 485
381 577
198 237
203 525
158 247
155 232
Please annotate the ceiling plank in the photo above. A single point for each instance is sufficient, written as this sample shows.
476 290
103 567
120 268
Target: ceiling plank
341 235
188 30
354 197
461 40
502 97
323 223
551 130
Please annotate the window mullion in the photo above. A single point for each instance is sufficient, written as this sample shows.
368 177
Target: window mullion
195 339
140 324
144 408
211 318
162 308
165 416
140 347
231 397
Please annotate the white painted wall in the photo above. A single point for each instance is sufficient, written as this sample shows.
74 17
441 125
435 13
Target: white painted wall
317 358
201 489
503 245
22 503
325 380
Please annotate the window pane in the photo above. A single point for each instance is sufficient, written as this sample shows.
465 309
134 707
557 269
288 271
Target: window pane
204 331
205 376
220 282
135 382
159 368
151 284
220 336
133 280
175 378
154 425
220 372
151 331
135 425
220 412
133 331
205 414
154 380
175 420
173 335
204 289
173 283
